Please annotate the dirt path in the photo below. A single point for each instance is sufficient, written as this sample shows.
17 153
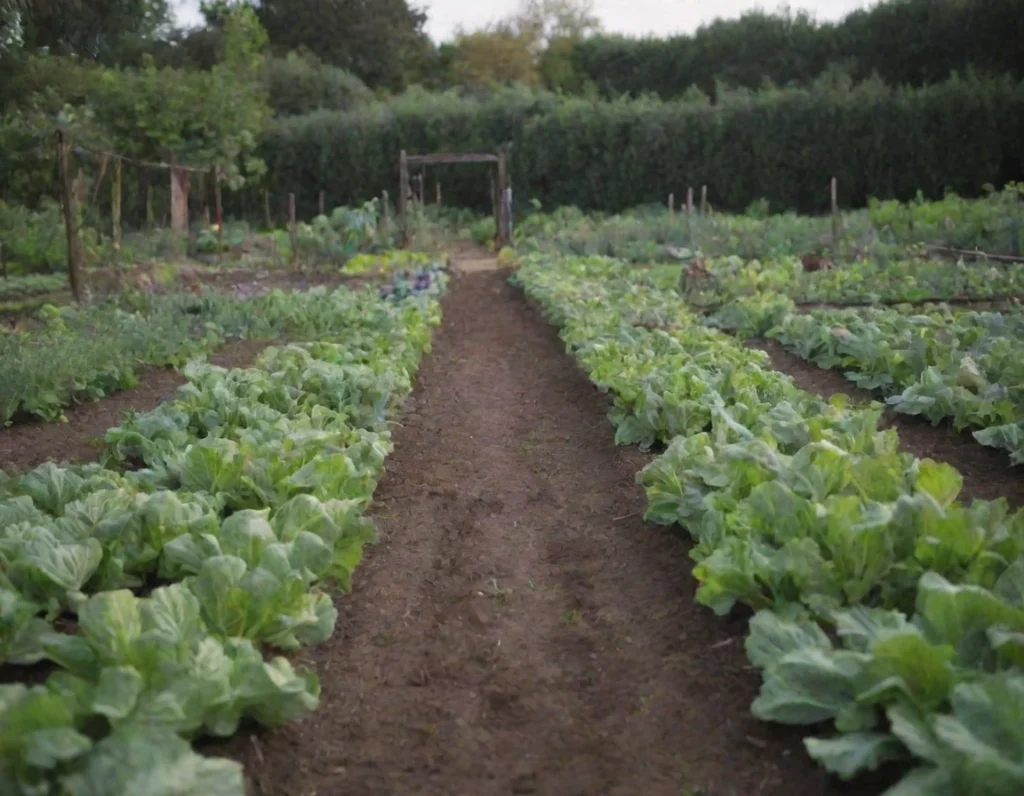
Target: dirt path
519 629
987 472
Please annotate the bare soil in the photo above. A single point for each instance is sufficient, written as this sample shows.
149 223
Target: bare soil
27 445
519 629
986 471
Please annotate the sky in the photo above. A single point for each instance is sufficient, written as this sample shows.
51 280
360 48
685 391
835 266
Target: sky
636 17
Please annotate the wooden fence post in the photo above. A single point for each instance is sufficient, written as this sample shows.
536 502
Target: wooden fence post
69 204
115 204
437 194
219 207
503 221
293 229
671 205
179 197
266 209
836 223
403 196
703 200
689 201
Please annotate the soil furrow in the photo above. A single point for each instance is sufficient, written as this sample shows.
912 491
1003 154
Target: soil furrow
519 629
987 472
26 445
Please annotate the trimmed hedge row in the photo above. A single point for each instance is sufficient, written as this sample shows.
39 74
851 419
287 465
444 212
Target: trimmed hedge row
780 145
910 42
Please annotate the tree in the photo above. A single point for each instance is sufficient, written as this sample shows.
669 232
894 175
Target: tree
534 43
88 28
499 55
545 21
380 41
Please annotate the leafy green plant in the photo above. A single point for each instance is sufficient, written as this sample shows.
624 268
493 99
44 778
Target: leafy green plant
249 500
805 511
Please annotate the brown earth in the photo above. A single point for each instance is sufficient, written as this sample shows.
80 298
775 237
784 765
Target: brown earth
27 445
986 471
519 629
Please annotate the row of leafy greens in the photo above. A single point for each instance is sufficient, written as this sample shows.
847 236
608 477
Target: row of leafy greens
206 541
965 367
74 354
883 604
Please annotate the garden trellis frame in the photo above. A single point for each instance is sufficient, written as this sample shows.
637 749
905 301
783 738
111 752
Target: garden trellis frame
502 202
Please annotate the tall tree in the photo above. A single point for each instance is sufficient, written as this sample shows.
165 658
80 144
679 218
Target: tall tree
380 41
88 28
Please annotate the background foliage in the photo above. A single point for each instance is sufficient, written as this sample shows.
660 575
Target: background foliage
783 145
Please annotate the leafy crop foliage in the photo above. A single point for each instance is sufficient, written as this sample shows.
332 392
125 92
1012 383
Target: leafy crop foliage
961 366
783 145
884 230
246 499
32 285
885 608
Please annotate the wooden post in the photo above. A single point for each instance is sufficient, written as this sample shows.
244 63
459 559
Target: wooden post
420 178
403 196
293 229
115 204
671 205
385 213
503 236
689 201
179 198
219 207
703 200
836 225
494 200
323 203
266 209
437 194
69 204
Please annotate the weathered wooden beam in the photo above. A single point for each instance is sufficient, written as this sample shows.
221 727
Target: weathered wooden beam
439 158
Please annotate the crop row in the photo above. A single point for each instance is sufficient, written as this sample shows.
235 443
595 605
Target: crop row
861 282
25 286
965 367
883 604
79 354
231 508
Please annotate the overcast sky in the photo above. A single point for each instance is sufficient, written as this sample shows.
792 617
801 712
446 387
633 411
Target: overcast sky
661 17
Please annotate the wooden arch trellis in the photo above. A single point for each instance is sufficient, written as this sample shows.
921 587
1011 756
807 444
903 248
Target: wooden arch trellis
502 201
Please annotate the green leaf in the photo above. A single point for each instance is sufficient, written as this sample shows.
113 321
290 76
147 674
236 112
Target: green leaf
853 753
150 761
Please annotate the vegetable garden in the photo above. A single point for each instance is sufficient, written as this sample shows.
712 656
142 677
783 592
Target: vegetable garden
169 607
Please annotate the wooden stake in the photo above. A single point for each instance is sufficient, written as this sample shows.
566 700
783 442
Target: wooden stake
503 221
219 206
266 209
403 196
703 200
437 194
69 204
420 178
115 204
836 223
689 201
323 203
385 213
179 198
494 201
293 229
671 205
